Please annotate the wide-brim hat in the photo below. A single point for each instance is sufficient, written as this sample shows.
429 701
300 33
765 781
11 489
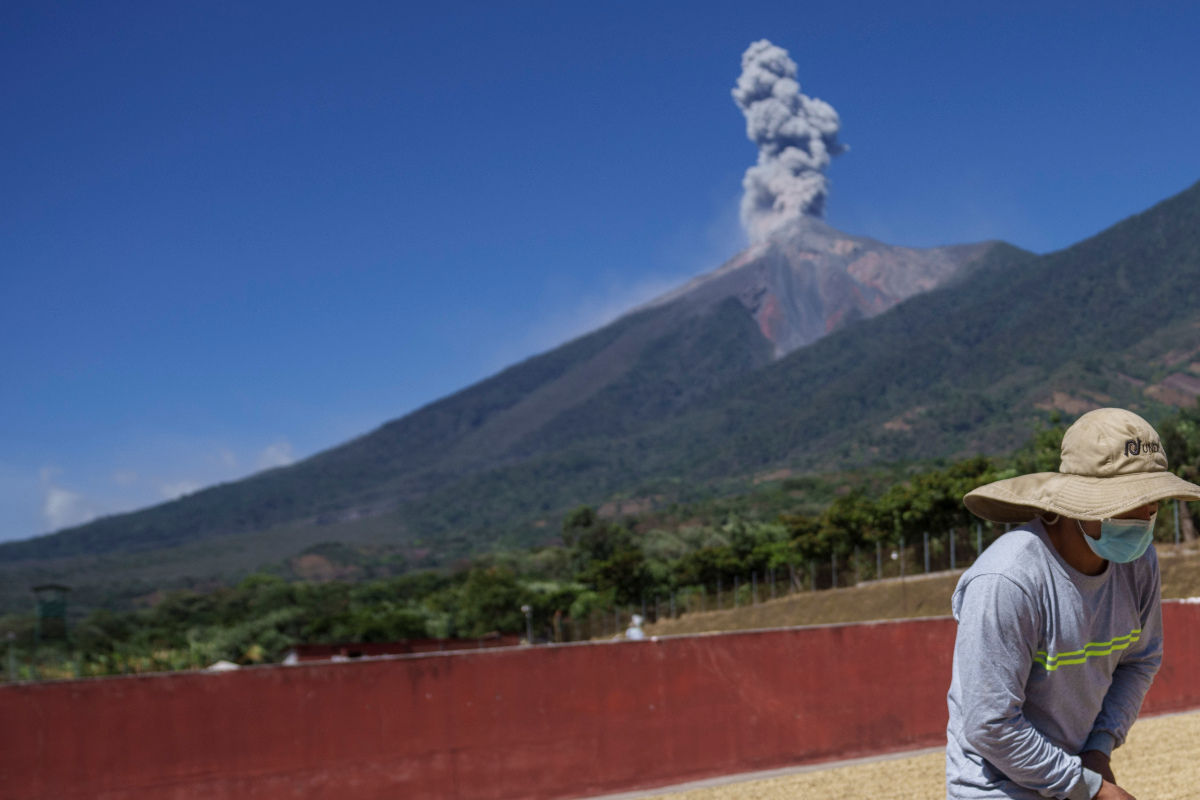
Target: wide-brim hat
1112 462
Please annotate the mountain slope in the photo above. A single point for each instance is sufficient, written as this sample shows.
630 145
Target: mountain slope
690 391
971 367
644 368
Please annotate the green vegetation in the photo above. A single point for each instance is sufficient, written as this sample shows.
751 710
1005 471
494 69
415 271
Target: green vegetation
794 533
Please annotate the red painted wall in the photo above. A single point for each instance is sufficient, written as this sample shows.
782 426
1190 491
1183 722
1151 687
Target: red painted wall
547 722
1177 685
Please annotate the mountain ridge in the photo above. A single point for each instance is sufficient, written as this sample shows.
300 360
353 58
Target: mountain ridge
647 365
999 370
700 395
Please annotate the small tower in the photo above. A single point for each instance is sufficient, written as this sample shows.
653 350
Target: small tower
51 611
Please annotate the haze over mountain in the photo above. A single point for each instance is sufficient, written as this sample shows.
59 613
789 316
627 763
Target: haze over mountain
688 393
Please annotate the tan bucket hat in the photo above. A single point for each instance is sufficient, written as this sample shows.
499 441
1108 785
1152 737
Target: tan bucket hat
1112 462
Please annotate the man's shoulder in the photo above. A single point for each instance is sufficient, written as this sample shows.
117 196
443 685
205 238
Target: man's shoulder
1017 560
1013 554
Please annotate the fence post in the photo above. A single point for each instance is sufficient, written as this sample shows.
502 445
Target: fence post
736 581
672 605
753 587
901 558
772 570
878 560
812 570
926 552
952 564
792 577
718 593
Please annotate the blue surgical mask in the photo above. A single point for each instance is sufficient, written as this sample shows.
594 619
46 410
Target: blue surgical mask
1122 540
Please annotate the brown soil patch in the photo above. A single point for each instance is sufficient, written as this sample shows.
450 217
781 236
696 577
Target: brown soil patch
319 569
616 508
1188 384
890 599
918 596
777 475
1173 357
1067 403
1180 572
1165 394
905 420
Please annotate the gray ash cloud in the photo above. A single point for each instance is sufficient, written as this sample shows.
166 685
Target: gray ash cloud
796 136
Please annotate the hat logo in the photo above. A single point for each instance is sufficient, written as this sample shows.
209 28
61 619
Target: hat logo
1134 447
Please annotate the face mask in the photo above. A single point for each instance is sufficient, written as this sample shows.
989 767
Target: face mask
1122 540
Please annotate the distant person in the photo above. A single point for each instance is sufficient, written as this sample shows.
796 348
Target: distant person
634 631
1059 622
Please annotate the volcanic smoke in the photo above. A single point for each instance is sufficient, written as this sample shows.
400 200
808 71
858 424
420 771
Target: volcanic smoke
796 137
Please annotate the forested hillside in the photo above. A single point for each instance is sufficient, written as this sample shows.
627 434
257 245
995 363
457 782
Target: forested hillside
797 535
967 368
970 368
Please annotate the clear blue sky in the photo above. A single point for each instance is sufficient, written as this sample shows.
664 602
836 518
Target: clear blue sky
231 236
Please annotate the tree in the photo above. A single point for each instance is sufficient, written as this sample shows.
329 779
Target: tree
707 566
490 600
1181 440
576 522
932 501
625 574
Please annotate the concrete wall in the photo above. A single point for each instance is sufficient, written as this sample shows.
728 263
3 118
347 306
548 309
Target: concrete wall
547 722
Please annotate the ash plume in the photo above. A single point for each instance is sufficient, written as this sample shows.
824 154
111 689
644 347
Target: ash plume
796 137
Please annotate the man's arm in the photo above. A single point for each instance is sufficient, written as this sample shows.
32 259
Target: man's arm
1132 677
997 640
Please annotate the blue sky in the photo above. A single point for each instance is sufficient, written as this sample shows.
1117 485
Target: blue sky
231 237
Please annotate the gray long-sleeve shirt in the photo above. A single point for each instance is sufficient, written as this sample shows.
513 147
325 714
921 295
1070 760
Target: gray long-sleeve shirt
1048 663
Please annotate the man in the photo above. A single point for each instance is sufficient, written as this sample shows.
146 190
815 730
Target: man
1059 623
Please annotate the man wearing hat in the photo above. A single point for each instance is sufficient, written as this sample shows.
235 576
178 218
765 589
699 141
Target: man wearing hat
1059 623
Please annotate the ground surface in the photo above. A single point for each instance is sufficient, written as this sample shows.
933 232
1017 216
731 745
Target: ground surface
1159 761
920 596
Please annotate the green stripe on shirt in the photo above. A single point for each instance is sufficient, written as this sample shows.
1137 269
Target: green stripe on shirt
1090 650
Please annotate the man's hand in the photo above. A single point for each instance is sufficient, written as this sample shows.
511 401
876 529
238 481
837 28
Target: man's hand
1110 791
1096 761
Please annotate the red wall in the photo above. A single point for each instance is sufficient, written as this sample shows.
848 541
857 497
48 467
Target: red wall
546 722
1176 687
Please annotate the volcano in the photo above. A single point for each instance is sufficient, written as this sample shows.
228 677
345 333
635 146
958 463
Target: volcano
810 279
646 367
